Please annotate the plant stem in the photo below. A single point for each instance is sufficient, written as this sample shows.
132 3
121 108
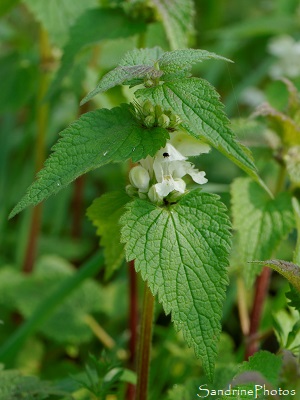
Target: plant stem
42 124
261 288
242 307
145 345
133 323
261 291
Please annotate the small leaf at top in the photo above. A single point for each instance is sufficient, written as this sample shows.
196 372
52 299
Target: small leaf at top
105 213
120 75
261 222
181 251
174 61
139 64
95 139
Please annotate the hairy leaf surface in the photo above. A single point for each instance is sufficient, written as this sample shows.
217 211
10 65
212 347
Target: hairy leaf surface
151 63
198 105
287 269
181 251
177 18
95 139
179 60
121 74
94 26
262 223
105 213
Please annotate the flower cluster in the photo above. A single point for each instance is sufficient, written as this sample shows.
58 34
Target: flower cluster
161 176
287 51
150 116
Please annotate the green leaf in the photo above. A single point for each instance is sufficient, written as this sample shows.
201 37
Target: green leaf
177 18
182 60
261 371
296 209
18 82
58 15
292 161
13 385
67 324
261 222
294 296
198 105
95 139
139 64
266 363
287 269
181 251
286 327
93 27
46 308
142 57
7 5
105 213
287 129
121 74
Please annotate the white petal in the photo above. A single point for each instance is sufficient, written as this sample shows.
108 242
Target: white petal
169 153
147 163
198 176
187 145
179 185
154 196
165 187
139 178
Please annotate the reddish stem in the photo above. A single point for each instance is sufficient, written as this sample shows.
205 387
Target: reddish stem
261 291
32 241
133 323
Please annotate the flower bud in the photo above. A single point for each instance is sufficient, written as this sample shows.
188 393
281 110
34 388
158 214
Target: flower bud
142 195
158 111
148 108
139 178
131 190
164 121
149 121
154 196
174 120
149 83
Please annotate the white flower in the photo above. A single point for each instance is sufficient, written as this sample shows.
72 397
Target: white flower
154 196
287 51
164 171
169 167
139 178
169 184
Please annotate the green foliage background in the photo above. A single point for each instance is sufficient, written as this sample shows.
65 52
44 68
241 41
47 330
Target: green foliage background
52 55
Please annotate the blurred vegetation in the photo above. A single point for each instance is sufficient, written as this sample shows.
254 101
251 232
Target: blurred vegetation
57 307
